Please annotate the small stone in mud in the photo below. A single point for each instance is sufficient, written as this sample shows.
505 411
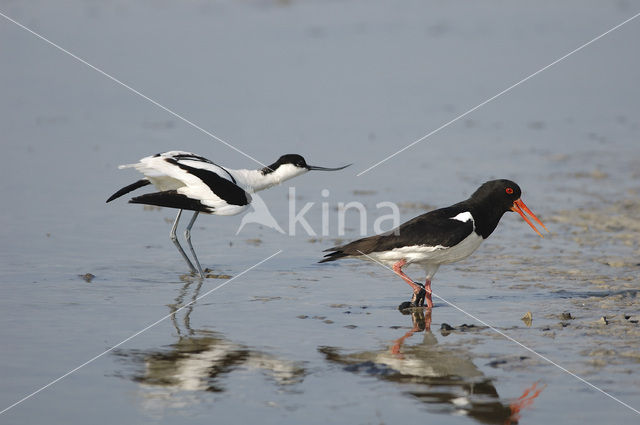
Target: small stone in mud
446 329
498 362
566 316
328 321
302 316
350 326
404 306
217 276
87 277
603 321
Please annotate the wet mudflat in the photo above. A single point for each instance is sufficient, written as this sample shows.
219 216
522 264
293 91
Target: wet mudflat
292 341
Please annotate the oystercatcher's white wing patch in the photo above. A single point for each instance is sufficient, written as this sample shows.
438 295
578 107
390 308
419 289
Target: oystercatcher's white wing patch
464 217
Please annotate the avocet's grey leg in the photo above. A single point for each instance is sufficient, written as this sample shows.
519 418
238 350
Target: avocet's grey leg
187 236
174 239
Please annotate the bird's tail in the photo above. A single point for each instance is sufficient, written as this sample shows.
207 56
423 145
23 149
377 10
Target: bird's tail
121 167
333 256
171 199
133 186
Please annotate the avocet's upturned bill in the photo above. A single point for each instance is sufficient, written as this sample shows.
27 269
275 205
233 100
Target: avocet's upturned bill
438 237
187 181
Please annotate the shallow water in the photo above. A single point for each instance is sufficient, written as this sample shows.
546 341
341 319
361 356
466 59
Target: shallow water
292 341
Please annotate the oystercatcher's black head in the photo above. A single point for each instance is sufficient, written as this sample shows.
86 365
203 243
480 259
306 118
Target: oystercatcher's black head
297 164
502 196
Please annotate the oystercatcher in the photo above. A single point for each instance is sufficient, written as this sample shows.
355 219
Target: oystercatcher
191 182
438 237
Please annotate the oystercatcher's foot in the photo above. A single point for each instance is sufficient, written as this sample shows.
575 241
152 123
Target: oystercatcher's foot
417 300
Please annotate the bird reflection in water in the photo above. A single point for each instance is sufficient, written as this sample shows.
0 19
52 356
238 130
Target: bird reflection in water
444 379
200 360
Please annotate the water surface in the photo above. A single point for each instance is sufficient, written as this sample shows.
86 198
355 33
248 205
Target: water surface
338 82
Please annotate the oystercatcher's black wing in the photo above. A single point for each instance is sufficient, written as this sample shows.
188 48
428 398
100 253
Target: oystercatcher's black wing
435 228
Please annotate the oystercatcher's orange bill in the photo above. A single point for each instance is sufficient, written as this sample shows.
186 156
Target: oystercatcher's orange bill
521 208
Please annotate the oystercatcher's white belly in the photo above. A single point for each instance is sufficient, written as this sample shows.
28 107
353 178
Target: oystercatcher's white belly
430 255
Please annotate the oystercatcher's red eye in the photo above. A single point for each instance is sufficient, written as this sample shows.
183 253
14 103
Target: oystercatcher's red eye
509 191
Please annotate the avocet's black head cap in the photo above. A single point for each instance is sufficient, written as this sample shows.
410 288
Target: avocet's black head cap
297 161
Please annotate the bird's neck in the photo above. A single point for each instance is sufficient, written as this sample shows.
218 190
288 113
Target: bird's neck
485 214
255 180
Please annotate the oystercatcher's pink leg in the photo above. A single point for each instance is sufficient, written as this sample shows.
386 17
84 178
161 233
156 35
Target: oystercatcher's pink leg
397 267
418 291
427 288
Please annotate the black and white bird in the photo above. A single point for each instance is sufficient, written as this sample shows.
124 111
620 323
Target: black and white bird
187 181
442 236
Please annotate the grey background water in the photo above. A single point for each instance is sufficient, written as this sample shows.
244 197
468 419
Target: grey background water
342 81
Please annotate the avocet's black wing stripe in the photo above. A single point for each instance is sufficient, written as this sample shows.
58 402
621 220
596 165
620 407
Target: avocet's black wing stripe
434 229
224 189
180 156
140 183
233 179
171 199
192 157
